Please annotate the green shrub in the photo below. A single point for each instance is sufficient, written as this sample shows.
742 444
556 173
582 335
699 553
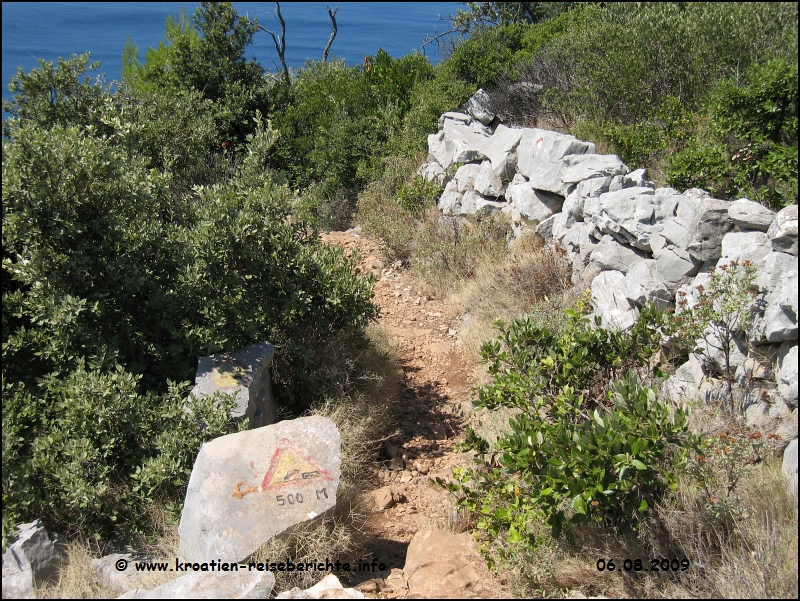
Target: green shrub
577 451
88 453
113 286
753 133
380 213
719 313
565 463
336 129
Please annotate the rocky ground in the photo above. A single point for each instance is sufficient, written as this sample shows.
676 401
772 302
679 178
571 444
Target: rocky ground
434 399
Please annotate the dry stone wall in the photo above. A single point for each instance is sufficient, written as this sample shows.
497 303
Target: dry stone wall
631 242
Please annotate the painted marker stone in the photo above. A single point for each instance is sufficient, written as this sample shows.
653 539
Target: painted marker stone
248 487
245 373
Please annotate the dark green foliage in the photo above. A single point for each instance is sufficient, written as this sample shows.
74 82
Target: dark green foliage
87 452
482 57
704 91
749 146
50 96
590 441
207 56
114 284
336 128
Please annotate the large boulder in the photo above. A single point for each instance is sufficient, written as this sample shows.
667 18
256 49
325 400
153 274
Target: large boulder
610 301
536 205
710 226
433 172
643 283
783 231
750 215
245 374
676 264
238 583
248 487
580 240
33 556
460 140
745 246
479 106
473 203
487 182
779 319
540 154
502 150
450 200
465 176
577 168
631 215
776 266
610 254
443 565
634 179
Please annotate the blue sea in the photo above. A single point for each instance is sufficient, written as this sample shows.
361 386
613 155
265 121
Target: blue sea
51 29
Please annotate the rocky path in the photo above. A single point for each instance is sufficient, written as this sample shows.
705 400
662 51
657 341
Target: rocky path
432 400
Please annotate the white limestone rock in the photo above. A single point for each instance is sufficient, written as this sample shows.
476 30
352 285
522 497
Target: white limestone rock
644 283
536 205
779 320
789 465
473 203
634 179
459 140
479 106
578 240
450 200
776 267
745 246
577 168
502 151
433 172
487 182
750 215
593 187
465 176
609 298
787 372
540 155
783 231
245 374
610 254
248 487
33 555
675 264
631 215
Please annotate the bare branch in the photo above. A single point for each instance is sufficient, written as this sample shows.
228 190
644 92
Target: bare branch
280 45
334 30
431 39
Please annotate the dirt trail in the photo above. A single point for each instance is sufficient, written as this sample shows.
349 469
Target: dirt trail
433 397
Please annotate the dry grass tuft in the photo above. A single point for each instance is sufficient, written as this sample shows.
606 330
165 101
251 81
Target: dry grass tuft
533 278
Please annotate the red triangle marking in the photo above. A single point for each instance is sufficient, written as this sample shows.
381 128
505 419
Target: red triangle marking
298 476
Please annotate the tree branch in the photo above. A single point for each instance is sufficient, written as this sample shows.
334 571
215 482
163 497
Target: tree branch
280 45
334 29
430 40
